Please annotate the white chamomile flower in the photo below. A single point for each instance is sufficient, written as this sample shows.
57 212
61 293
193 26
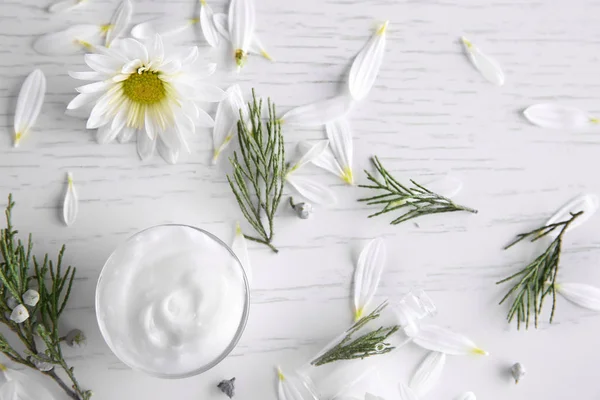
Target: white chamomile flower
31 297
306 187
19 314
140 87
166 27
256 46
72 40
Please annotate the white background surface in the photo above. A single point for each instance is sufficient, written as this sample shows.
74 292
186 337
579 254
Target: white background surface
429 114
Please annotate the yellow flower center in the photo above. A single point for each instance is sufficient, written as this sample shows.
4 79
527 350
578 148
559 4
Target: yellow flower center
145 88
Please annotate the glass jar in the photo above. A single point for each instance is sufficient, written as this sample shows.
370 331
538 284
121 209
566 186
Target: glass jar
346 365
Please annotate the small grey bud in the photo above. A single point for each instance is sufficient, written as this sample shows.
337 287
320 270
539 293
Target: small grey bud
43 366
303 210
11 302
227 387
518 372
76 339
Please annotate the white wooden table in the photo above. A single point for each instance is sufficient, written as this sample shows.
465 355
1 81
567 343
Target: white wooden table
429 114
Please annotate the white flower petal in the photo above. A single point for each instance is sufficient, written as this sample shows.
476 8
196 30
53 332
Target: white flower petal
82 99
240 248
71 202
208 93
588 203
309 154
107 133
119 22
326 159
64 5
134 50
165 27
428 373
208 26
340 142
319 113
221 24
69 41
367 275
95 87
312 190
29 104
256 47
583 295
436 338
286 390
126 135
171 156
87 75
488 67
556 116
145 145
407 393
226 119
366 65
466 396
448 186
31 297
240 22
19 314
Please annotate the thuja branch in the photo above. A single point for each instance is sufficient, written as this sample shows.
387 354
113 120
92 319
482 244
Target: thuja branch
368 344
259 170
415 201
33 296
534 283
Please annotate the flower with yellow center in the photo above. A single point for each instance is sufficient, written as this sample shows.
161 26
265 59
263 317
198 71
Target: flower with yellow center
139 90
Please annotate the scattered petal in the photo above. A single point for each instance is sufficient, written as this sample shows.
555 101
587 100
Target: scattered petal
307 155
256 47
340 142
207 24
226 119
145 145
312 190
488 67
72 40
583 295
119 22
286 390
588 203
240 248
555 116
466 396
366 64
31 297
448 186
326 160
29 104
367 275
163 26
171 156
240 23
319 113
64 5
71 204
19 314
436 338
428 373
407 393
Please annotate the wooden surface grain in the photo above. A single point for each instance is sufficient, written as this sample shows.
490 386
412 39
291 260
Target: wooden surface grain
429 114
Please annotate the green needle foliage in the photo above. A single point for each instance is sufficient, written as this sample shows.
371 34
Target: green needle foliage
39 334
416 200
366 345
534 283
259 170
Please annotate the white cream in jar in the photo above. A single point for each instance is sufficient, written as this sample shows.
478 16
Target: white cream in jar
172 301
